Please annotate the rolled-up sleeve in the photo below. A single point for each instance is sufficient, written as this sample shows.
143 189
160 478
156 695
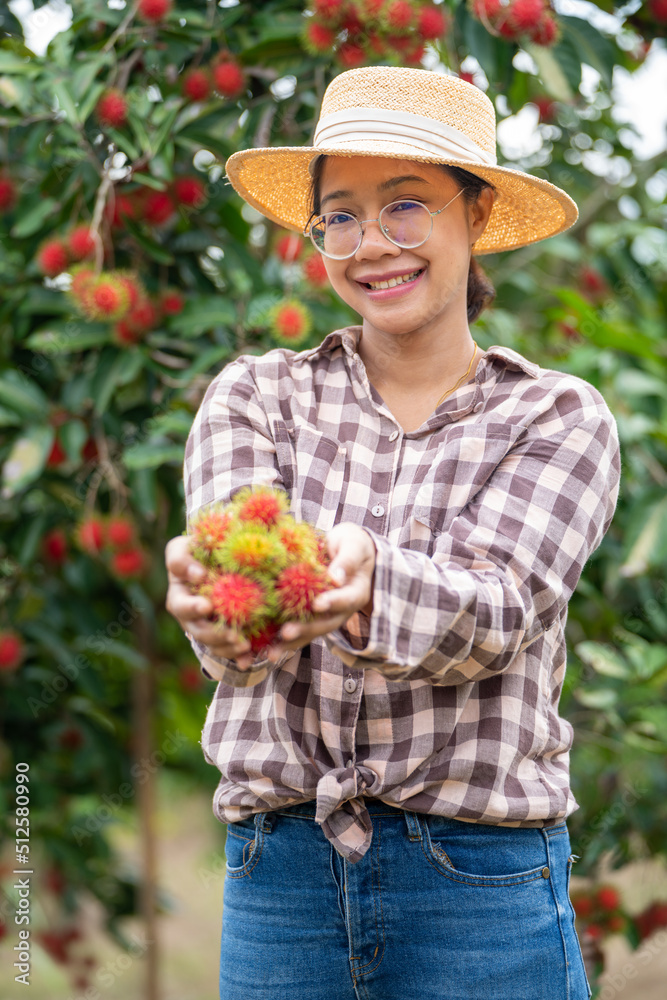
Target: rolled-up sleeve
505 568
229 446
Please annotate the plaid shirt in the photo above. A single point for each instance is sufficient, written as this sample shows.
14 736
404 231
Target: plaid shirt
445 699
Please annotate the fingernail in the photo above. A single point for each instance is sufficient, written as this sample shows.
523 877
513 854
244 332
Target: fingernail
337 574
289 632
196 573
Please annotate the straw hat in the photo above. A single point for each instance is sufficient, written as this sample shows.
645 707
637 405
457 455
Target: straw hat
411 114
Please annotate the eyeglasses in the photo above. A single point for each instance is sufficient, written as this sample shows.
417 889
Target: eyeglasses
405 223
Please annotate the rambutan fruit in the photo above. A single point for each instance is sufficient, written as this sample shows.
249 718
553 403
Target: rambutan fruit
7 194
431 23
369 10
121 207
608 898
290 322
299 540
172 302
128 563
91 535
197 85
297 587
375 44
398 16
54 546
81 243
209 529
189 191
228 77
90 451
524 15
289 247
486 11
318 38
237 600
351 55
83 278
251 549
120 533
545 106
106 299
658 9
260 505
330 11
582 905
143 317
56 456
545 32
315 272
158 208
263 635
414 55
12 650
135 290
112 109
53 258
153 10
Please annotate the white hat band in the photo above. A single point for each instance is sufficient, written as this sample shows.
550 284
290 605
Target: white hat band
427 134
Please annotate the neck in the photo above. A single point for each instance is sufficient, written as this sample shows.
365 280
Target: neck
405 361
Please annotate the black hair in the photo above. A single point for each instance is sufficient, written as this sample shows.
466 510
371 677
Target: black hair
480 290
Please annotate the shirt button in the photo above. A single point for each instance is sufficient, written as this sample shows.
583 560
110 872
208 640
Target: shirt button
378 510
350 685
393 435
350 763
477 408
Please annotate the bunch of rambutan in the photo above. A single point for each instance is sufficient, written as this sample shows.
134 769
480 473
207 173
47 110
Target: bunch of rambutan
518 19
224 77
57 253
114 538
264 567
361 31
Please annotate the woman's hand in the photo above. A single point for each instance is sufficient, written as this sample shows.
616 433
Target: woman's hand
352 564
191 610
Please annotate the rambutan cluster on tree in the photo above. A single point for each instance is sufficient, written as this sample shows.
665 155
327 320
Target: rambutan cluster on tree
131 272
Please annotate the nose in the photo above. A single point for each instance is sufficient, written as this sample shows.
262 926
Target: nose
374 243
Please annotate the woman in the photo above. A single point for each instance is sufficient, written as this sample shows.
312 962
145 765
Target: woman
395 773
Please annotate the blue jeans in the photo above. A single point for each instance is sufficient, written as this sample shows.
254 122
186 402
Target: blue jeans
437 909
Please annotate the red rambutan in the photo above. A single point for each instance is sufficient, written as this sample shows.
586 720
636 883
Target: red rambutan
399 16
298 586
158 208
524 15
486 10
329 10
197 85
120 532
209 529
153 10
318 38
658 9
351 55
12 650
128 563
251 549
189 191
545 31
298 539
53 258
112 109
264 636
289 247
57 455
229 78
90 452
582 905
54 546
172 303
608 898
290 322
315 272
261 505
7 194
545 106
81 243
121 207
431 23
237 600
107 298
91 535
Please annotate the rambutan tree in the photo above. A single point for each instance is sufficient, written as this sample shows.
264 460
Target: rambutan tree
131 272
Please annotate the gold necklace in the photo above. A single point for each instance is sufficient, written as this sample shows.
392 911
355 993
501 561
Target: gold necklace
458 383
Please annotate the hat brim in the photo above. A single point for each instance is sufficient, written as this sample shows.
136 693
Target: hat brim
276 181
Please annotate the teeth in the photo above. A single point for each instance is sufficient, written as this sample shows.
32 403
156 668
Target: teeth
393 281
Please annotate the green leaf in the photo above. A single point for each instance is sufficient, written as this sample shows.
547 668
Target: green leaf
203 314
33 219
12 64
21 394
556 81
73 435
650 545
148 181
603 659
114 369
143 487
9 418
601 698
591 45
55 341
26 459
66 101
150 455
140 133
152 248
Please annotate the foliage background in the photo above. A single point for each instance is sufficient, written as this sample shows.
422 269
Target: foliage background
591 302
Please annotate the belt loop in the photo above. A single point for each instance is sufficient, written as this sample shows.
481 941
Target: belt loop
414 827
263 822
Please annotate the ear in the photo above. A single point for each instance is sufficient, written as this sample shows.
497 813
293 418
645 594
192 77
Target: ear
480 212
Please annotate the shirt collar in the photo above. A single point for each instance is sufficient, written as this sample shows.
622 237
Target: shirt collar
348 338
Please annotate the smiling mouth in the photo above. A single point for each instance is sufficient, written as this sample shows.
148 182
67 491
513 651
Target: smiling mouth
401 279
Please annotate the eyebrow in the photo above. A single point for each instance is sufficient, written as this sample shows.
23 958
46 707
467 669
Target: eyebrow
385 186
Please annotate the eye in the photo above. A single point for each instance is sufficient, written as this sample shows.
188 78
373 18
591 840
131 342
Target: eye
339 219
399 207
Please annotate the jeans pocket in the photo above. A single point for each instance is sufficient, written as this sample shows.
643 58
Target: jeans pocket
244 846
481 855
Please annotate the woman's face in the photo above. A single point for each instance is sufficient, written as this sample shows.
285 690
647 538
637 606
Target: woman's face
435 293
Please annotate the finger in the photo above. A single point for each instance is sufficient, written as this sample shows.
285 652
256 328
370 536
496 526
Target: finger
181 564
184 605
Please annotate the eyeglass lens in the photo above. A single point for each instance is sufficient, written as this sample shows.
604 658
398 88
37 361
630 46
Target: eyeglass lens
338 234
